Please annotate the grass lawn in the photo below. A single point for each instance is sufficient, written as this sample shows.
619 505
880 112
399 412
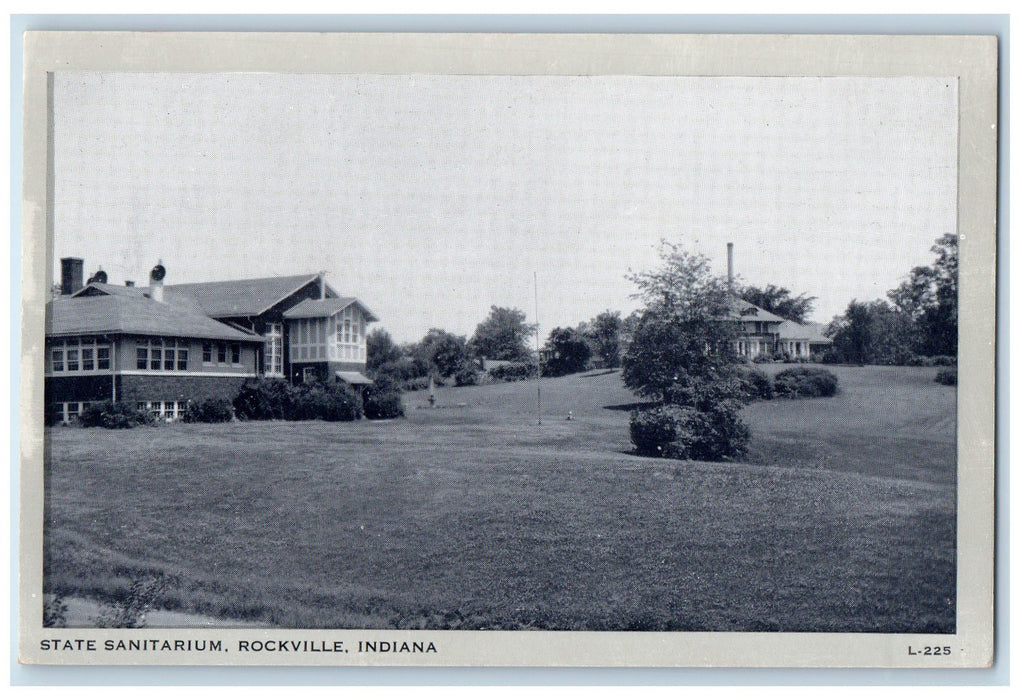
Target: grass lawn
470 515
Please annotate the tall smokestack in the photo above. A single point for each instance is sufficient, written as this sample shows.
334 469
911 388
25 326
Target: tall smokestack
72 271
156 282
729 265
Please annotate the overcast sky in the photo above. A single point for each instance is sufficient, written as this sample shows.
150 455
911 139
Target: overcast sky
432 198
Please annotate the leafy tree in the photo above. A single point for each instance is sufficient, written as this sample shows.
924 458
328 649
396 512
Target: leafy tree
503 335
380 349
929 297
567 352
603 334
780 301
685 334
681 355
445 352
872 333
851 333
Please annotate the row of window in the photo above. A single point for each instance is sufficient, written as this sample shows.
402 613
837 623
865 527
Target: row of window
79 355
161 354
221 353
69 411
165 410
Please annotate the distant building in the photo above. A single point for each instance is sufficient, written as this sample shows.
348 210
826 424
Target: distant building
803 340
164 347
764 333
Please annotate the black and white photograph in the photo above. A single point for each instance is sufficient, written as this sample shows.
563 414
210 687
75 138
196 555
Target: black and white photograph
403 353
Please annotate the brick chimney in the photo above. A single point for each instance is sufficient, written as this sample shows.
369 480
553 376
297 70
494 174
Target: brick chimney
729 265
72 272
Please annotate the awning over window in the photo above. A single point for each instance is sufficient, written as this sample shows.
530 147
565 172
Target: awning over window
354 378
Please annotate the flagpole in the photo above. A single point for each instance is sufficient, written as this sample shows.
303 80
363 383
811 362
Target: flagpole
538 356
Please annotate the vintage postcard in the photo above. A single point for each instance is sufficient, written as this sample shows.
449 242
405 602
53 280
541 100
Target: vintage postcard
508 350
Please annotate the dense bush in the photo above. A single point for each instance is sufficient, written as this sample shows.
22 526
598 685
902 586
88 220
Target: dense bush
466 376
333 401
209 411
114 415
757 384
381 404
266 399
832 357
946 376
802 382
943 361
419 384
682 432
53 415
762 358
512 373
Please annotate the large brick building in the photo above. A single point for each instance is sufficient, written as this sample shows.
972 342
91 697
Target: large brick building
165 346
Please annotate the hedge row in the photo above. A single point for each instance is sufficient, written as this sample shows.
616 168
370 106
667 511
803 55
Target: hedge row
268 399
792 383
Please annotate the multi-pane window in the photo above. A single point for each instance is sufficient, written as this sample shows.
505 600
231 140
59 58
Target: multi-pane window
220 354
83 354
350 335
165 410
164 354
274 349
70 410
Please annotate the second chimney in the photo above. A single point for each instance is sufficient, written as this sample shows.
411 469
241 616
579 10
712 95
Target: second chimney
72 272
729 264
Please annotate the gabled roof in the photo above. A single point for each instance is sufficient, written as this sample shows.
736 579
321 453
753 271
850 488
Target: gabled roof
317 308
123 313
749 312
239 297
811 332
92 288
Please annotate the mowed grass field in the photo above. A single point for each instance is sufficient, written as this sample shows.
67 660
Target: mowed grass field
470 515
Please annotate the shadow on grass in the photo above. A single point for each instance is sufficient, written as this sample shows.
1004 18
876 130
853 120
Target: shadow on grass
632 406
601 372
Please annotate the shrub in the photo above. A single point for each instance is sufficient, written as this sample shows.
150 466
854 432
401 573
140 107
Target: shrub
466 376
114 415
756 384
512 373
680 432
53 415
946 376
333 401
265 399
943 361
210 411
54 611
383 404
762 358
802 382
417 384
831 357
